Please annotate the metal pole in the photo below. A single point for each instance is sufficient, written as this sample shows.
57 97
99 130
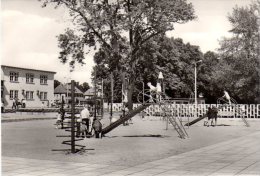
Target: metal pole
102 98
73 116
95 93
195 90
143 92
257 14
112 94
143 100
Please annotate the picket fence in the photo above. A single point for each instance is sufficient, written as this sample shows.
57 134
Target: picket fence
189 110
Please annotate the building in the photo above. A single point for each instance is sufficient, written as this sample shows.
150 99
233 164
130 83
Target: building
89 94
64 91
34 86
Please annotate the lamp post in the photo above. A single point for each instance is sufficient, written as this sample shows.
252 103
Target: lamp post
143 99
95 92
195 87
143 91
160 79
112 96
257 14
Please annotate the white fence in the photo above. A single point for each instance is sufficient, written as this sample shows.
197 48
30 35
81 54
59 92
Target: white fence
188 110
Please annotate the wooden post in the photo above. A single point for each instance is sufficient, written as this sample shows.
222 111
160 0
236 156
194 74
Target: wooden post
73 116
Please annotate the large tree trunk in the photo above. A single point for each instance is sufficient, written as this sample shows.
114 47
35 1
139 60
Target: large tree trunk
130 94
128 86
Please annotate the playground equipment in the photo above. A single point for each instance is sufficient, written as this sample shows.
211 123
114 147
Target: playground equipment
124 119
147 98
70 127
174 120
232 103
225 101
165 103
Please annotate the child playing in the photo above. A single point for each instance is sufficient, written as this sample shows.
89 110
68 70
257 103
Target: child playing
58 122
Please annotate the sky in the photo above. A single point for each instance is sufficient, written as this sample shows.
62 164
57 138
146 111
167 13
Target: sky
29 34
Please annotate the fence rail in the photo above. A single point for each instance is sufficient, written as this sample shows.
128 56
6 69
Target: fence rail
189 110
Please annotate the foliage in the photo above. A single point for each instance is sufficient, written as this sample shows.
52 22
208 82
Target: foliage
238 71
83 87
120 27
172 57
206 79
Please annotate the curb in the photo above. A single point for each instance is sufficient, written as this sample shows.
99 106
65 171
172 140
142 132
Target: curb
27 119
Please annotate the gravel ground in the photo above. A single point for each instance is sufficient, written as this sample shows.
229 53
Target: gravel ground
143 141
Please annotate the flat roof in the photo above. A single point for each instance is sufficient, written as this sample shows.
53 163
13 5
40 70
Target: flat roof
28 69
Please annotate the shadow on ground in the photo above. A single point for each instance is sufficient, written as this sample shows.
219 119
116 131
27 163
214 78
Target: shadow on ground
144 135
217 125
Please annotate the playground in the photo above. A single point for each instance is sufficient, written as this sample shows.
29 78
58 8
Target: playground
143 141
128 138
73 128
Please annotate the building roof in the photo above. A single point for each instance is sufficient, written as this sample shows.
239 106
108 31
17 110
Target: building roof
90 92
27 69
62 89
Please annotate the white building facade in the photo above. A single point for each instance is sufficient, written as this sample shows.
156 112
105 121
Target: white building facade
34 86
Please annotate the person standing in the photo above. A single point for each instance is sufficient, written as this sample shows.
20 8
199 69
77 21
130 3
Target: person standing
152 91
214 114
78 126
209 116
24 103
58 122
62 113
14 104
85 117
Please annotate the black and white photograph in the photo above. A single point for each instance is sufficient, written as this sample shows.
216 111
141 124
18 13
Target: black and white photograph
130 88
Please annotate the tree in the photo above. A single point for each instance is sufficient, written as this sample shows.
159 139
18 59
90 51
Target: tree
239 69
121 27
172 57
206 83
56 83
84 87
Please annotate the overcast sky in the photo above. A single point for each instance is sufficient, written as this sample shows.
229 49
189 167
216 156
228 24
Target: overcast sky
29 34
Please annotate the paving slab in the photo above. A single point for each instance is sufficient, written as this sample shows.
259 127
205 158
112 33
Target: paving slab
243 160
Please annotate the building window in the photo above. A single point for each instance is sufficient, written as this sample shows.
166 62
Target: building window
43 79
29 78
14 76
43 95
13 94
29 95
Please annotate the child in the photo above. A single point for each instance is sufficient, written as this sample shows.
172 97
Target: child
58 122
97 126
84 128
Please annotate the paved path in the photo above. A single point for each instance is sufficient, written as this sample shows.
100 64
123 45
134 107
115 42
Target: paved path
240 156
